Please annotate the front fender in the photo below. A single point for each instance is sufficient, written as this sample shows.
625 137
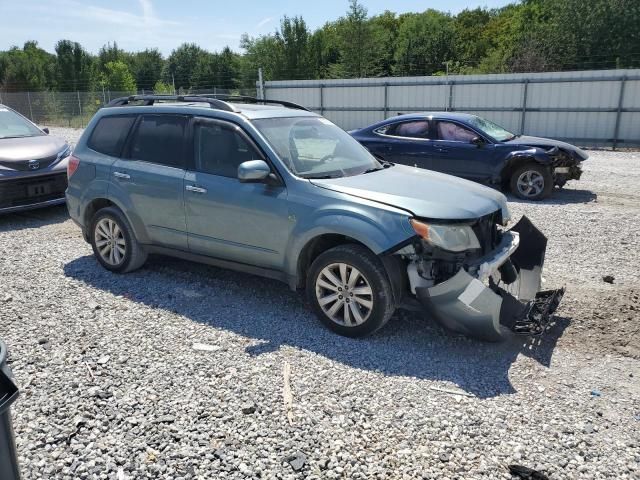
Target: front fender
518 157
378 230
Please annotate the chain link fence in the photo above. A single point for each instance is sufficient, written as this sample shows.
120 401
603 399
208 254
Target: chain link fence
75 109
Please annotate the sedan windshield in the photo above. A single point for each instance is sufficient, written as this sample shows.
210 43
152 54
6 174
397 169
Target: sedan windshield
13 125
491 129
313 147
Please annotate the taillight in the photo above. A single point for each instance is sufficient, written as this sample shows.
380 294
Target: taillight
72 165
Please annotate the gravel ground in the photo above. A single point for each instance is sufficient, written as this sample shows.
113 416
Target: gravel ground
177 371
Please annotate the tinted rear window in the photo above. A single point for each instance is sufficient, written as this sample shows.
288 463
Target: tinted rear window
109 134
160 139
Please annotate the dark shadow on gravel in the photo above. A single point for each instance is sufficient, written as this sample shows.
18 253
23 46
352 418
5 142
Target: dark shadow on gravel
563 196
33 218
409 346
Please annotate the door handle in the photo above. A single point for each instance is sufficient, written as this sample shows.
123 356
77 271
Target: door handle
442 150
194 189
124 176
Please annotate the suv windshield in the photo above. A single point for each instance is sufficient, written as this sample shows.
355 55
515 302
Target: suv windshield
491 129
13 125
313 147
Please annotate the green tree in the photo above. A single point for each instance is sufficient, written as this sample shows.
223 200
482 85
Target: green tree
118 78
425 42
181 64
356 56
74 69
147 68
29 68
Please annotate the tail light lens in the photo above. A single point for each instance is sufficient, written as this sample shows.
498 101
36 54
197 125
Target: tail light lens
72 165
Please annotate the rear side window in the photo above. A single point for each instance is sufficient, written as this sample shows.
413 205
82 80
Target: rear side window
411 129
109 134
160 139
220 149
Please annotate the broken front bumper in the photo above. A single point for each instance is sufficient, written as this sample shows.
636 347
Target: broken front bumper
478 302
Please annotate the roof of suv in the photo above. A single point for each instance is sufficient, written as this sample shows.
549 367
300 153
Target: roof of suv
249 107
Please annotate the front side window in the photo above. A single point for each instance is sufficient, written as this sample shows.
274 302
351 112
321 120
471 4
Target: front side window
313 147
109 134
454 132
13 125
160 139
220 149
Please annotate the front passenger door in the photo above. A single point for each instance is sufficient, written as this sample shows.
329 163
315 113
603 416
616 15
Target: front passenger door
242 222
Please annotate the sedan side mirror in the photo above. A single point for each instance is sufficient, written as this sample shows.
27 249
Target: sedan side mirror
46 130
477 141
253 171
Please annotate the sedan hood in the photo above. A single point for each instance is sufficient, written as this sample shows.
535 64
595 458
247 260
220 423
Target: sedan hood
423 193
547 143
30 148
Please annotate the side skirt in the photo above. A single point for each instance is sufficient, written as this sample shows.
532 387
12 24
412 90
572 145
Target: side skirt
218 262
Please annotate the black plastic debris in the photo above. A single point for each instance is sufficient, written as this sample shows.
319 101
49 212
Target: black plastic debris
608 278
527 473
8 393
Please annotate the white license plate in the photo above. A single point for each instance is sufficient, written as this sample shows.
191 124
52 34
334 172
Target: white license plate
562 170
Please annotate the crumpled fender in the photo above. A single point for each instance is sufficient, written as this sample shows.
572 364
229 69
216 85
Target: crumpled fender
544 157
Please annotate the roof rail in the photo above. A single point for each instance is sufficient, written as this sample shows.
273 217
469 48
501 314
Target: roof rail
151 99
248 99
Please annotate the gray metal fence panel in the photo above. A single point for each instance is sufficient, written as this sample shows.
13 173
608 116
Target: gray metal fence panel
591 108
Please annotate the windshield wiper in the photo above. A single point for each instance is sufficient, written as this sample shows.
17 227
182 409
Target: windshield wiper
385 165
320 177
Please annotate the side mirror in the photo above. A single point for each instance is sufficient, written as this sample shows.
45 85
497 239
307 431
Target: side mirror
477 141
253 171
46 130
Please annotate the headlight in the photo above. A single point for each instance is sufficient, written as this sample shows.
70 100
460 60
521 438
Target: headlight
454 238
65 153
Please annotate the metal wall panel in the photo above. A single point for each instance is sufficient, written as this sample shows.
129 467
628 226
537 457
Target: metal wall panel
584 107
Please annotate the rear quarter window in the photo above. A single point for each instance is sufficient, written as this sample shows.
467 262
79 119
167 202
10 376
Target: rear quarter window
109 134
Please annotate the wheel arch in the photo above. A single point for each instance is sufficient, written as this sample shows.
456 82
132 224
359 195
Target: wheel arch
102 202
518 158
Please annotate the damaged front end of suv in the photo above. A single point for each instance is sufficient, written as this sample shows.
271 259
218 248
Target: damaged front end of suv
480 279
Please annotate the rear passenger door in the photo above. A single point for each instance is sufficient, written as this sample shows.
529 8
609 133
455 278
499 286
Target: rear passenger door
408 143
148 180
242 222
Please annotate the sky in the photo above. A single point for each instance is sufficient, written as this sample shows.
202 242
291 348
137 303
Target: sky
165 24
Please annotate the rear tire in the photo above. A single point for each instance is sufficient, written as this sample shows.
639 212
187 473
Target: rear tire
348 289
531 181
114 243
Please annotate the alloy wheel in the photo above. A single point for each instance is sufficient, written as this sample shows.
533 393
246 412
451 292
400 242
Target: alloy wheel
530 183
110 241
344 294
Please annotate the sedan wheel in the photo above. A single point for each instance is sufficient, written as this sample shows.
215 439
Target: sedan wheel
530 184
532 181
110 241
344 294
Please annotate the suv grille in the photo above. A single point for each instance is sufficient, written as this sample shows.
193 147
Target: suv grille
26 191
486 229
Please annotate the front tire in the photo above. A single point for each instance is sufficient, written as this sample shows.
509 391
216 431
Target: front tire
114 243
532 181
348 289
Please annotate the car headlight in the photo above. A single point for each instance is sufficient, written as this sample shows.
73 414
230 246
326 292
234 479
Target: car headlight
65 153
454 238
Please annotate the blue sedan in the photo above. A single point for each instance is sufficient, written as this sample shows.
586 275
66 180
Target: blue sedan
474 148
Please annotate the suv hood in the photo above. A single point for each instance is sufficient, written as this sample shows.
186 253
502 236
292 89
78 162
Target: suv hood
547 143
422 193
